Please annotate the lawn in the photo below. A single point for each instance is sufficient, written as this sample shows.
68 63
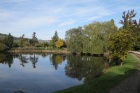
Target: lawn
112 77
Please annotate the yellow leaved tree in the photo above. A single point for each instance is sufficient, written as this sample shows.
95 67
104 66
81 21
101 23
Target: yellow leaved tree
119 44
59 43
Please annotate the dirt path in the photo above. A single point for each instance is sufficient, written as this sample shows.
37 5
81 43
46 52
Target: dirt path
131 84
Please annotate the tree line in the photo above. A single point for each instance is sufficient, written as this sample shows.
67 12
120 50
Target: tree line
91 38
94 38
8 41
101 37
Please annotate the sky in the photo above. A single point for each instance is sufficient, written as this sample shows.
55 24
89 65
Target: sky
44 17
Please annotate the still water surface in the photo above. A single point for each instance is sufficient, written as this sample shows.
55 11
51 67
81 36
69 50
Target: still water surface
46 73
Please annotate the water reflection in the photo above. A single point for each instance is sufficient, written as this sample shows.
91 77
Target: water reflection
44 55
57 59
19 92
6 59
47 72
34 60
23 59
84 67
80 67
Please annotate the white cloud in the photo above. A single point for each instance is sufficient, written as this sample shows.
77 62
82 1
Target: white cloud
26 16
67 23
36 21
6 15
82 11
15 0
126 8
100 12
25 25
93 18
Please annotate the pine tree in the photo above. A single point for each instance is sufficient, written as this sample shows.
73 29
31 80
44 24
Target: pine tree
34 39
54 39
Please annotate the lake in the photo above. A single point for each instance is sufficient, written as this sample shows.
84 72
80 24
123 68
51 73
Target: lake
47 73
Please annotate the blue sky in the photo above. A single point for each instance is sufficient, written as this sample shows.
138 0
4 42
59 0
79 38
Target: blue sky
44 17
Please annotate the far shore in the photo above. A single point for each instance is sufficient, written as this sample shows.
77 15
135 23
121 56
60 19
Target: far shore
43 50
38 50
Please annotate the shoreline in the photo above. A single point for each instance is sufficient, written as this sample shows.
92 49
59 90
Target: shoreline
59 51
133 80
34 50
113 76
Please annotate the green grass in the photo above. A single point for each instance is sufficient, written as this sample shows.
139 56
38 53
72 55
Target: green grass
112 77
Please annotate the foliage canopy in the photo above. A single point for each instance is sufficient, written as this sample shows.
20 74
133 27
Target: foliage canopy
59 43
119 45
90 39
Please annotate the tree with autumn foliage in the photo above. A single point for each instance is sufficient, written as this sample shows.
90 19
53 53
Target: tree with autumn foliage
124 39
119 44
132 25
59 43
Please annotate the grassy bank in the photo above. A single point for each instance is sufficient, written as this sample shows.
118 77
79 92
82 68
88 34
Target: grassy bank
38 50
113 76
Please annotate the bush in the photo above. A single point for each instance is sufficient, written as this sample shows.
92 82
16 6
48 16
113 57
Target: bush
3 47
119 44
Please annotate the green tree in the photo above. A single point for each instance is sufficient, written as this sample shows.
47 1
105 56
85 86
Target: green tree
9 40
119 45
74 40
42 44
45 44
130 24
15 44
95 36
3 47
23 41
34 40
54 39
64 44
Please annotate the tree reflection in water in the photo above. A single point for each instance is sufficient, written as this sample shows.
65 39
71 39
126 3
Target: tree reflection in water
34 60
23 59
80 67
57 59
6 58
44 54
19 91
84 67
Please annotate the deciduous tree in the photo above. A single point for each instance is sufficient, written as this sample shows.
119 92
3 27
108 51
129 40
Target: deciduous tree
23 41
95 36
59 43
119 45
74 40
132 25
3 47
9 40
